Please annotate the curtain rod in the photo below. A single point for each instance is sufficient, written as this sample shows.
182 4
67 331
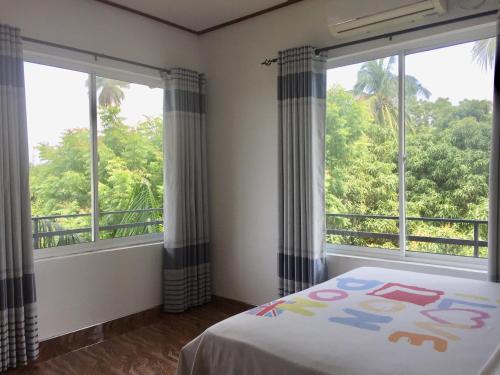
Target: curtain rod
95 54
389 36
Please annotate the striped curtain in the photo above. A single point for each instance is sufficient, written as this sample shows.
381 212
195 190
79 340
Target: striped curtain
301 117
186 271
494 193
18 316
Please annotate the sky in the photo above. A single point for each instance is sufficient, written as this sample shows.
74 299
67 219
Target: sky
57 99
447 72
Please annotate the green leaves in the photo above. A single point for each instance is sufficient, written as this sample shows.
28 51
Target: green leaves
130 177
447 167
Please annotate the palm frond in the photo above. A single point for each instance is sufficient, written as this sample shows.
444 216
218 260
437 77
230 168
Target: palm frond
110 91
47 226
483 53
142 198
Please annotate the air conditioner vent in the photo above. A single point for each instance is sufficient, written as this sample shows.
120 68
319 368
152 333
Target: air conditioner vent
392 17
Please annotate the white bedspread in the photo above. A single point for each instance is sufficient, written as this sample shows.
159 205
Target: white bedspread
367 321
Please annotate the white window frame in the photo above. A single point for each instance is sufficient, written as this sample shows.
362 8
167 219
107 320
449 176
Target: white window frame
81 63
403 49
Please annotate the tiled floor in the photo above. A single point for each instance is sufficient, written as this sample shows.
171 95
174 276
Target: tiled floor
151 349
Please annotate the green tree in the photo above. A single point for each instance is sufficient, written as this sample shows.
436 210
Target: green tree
446 171
130 178
378 82
358 149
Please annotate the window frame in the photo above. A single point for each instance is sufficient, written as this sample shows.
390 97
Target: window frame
125 73
403 49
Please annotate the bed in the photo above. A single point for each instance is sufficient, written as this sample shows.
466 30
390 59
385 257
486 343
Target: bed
366 321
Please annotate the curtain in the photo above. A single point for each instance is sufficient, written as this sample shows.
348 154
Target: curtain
186 271
301 118
18 316
494 207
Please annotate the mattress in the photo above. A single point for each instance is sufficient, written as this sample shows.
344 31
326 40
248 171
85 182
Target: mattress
367 321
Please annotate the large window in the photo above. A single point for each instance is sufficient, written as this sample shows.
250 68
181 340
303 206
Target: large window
413 167
96 159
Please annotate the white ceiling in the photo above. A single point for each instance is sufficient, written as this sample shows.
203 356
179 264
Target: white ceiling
199 14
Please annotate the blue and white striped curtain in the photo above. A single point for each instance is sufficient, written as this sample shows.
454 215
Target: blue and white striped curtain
302 113
186 273
494 188
18 314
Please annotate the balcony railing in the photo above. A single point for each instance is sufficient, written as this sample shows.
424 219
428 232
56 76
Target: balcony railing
474 242
39 234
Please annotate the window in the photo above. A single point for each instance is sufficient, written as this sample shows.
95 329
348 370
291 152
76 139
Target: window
96 167
433 172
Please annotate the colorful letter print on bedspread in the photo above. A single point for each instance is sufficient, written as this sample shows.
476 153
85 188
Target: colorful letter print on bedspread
351 283
297 305
269 310
361 319
407 293
442 321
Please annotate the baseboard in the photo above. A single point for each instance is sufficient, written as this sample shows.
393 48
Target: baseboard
82 338
104 331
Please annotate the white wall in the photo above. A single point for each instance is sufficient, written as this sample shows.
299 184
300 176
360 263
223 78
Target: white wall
90 25
81 290
242 139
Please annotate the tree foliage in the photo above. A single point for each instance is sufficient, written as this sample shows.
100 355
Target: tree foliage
447 161
130 173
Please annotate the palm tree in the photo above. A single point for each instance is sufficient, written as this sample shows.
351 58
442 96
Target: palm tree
379 84
48 226
142 198
110 91
483 52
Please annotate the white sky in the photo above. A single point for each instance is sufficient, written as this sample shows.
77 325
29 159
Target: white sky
447 72
57 99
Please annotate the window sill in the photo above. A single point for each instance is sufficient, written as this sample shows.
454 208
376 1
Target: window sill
99 246
449 262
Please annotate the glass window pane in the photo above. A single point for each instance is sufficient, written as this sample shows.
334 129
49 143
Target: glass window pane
60 155
130 137
449 94
361 181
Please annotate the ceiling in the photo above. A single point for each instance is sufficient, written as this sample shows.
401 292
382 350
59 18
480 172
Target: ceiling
198 15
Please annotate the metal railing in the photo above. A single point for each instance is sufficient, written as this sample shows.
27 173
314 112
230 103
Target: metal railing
39 235
475 242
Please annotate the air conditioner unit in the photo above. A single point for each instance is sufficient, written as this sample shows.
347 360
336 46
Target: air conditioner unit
386 19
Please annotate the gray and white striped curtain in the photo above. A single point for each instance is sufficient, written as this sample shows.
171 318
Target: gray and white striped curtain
186 273
302 112
18 316
494 193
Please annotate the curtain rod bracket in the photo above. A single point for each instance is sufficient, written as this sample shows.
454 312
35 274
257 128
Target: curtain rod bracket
268 62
